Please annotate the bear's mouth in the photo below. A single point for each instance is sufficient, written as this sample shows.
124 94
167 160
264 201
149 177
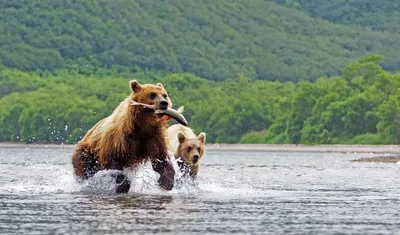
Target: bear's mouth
161 112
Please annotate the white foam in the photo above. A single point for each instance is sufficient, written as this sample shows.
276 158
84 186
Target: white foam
56 180
143 181
50 178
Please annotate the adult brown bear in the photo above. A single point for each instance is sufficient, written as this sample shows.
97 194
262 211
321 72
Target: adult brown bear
129 136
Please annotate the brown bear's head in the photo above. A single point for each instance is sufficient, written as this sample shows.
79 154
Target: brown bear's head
150 94
190 150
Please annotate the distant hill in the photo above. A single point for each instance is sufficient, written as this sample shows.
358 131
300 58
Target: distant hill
378 15
211 39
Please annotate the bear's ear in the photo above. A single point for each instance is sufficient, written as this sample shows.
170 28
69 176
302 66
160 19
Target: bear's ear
202 137
181 137
135 86
159 84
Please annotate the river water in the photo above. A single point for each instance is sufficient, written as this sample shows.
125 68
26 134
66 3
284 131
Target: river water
236 192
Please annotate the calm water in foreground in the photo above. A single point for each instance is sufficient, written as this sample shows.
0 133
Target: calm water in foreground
245 193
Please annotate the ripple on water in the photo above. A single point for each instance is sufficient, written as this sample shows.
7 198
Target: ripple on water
247 193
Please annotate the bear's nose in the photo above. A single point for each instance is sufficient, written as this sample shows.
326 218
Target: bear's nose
195 158
163 104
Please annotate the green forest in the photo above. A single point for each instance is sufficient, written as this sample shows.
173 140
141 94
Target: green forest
278 71
216 40
377 15
360 107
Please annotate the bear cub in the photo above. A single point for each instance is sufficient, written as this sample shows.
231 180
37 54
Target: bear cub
186 146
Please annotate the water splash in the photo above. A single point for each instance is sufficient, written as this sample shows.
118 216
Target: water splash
143 181
53 174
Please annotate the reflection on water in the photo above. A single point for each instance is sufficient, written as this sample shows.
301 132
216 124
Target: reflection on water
246 193
142 202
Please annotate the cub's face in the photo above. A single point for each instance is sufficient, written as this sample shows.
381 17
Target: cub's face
191 150
151 94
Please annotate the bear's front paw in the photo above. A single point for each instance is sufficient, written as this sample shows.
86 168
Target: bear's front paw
166 180
123 184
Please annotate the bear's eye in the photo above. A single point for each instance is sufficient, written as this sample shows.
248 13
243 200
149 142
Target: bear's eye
153 95
165 96
189 149
198 149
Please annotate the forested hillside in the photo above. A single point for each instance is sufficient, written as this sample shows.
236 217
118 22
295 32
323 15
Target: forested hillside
211 39
260 71
377 15
362 106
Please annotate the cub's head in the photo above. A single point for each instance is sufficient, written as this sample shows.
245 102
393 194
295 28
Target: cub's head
150 94
191 150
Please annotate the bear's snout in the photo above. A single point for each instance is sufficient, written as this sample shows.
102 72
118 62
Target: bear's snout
195 158
163 104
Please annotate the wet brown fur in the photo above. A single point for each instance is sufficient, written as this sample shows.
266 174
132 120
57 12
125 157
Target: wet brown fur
129 136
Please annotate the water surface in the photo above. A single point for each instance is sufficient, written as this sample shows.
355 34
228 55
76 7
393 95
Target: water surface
242 192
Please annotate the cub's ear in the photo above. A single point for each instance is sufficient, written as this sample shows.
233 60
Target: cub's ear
181 137
135 86
202 137
159 84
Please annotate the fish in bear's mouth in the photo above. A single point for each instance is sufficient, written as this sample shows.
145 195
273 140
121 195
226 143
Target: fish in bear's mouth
161 112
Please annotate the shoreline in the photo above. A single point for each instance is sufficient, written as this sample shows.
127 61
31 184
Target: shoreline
325 148
339 148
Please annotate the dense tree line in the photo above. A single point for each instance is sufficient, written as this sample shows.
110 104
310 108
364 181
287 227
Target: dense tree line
212 39
362 106
381 15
